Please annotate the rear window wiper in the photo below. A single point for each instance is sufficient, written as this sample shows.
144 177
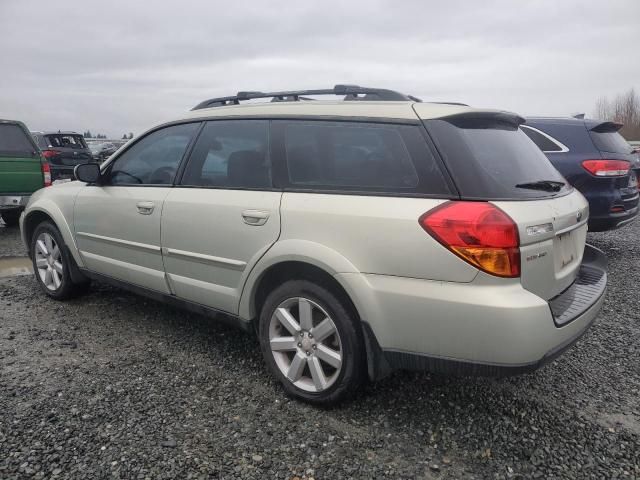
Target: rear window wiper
546 185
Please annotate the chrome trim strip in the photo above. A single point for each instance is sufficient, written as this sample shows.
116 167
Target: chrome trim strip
199 257
572 227
118 241
564 148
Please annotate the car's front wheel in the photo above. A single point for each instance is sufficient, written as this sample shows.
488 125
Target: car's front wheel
52 264
311 342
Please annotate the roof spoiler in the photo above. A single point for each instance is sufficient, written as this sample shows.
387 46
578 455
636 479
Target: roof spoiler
479 117
607 127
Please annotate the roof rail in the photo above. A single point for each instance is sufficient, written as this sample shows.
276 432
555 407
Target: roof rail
451 103
350 92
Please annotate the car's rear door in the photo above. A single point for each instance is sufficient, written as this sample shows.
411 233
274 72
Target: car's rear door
222 216
117 223
20 166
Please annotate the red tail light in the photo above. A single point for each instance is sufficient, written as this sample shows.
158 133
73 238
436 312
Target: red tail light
479 233
49 153
607 168
46 174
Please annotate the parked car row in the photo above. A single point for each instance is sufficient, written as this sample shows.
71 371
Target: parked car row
355 237
102 150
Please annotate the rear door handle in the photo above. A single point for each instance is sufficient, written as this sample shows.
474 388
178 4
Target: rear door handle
255 217
145 208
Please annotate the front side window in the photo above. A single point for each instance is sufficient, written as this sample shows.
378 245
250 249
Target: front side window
231 154
360 156
154 159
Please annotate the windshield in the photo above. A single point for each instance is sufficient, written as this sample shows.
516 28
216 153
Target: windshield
494 160
611 142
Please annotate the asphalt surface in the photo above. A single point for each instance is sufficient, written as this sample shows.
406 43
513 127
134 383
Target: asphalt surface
115 386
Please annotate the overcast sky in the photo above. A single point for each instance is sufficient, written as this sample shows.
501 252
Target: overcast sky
125 65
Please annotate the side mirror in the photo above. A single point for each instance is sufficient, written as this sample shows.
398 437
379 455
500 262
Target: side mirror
87 172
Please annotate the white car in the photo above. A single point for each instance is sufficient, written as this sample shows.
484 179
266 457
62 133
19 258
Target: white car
355 237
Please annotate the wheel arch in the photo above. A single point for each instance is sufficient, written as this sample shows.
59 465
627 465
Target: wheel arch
296 256
49 212
325 268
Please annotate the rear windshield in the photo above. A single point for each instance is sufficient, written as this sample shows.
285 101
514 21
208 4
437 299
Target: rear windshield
494 160
14 140
66 141
611 142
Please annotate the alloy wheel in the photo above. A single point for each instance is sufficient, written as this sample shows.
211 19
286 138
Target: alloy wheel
305 344
48 260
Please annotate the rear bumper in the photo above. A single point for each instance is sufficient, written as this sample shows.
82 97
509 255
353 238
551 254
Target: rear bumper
12 202
612 221
603 200
476 329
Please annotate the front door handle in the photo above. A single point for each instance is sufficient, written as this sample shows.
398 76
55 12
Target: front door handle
255 217
145 208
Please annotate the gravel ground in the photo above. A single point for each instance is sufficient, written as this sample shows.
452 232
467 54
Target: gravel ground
10 243
115 386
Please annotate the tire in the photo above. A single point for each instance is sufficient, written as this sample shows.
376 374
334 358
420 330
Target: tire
11 217
53 270
296 360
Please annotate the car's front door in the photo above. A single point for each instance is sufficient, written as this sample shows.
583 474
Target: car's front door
223 215
117 223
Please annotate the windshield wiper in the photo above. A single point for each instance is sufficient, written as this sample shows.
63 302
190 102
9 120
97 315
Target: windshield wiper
546 185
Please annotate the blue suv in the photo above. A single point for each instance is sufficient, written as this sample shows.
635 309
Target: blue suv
596 160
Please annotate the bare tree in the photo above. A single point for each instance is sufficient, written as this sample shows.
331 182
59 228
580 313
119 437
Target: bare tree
624 109
602 108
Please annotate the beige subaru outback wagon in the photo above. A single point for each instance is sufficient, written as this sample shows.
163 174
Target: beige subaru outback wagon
356 236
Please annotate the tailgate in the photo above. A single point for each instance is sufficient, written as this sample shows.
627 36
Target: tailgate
20 174
553 234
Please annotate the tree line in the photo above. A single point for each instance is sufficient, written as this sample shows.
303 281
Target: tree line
623 108
88 134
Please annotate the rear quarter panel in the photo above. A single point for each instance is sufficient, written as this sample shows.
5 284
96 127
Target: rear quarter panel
359 234
377 234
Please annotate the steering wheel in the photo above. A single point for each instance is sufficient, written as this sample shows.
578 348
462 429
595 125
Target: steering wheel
122 172
159 173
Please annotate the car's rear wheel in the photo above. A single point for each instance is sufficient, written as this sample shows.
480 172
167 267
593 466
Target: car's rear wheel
52 264
311 342
11 217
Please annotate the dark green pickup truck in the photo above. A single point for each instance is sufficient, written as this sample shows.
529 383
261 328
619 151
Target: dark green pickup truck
22 170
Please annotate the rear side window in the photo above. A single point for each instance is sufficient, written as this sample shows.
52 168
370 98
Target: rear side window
66 141
360 156
611 142
14 141
488 159
231 154
543 142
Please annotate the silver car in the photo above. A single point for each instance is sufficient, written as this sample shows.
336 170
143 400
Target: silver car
355 237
